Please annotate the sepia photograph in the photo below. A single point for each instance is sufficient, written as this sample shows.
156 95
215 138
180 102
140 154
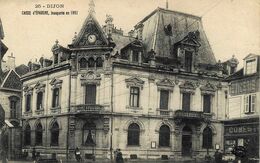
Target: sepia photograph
129 81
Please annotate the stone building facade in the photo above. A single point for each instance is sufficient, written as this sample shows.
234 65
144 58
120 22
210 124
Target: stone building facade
242 124
156 93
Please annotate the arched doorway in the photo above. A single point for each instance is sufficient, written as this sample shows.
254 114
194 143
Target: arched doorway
186 141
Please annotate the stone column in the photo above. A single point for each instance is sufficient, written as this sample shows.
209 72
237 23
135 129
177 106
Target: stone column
71 136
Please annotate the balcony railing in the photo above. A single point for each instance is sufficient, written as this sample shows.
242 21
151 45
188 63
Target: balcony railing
192 115
87 108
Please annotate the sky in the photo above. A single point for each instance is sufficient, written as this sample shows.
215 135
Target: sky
232 26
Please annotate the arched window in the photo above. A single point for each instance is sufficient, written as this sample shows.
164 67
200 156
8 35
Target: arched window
38 134
99 62
133 136
164 136
39 100
207 138
82 63
91 63
89 133
55 134
27 135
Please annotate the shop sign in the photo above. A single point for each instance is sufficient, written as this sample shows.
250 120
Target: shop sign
241 129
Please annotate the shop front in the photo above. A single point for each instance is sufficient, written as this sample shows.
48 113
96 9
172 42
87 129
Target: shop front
242 132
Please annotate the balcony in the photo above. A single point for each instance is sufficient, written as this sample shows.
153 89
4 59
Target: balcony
87 108
192 115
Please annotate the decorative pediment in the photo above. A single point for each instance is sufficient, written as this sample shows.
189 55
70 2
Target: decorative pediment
28 89
191 39
188 87
91 34
90 78
134 82
165 84
40 87
56 83
208 88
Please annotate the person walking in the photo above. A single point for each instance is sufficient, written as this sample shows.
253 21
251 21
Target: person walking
119 157
77 154
218 156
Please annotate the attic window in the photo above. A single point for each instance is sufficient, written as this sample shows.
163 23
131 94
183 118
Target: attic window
168 29
135 56
250 66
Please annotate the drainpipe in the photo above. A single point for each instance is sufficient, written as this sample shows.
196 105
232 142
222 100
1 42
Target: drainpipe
112 110
69 98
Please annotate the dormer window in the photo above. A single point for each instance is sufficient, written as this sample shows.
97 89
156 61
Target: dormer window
250 66
135 56
188 61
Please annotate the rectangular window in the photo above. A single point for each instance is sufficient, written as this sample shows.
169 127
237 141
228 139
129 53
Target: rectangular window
250 103
28 103
188 61
164 99
39 100
251 66
90 96
13 109
135 56
134 96
186 100
206 103
56 97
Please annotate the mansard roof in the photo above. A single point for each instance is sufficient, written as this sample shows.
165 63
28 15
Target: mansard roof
11 78
156 37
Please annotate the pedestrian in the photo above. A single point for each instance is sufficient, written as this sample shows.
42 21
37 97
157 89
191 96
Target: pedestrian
218 156
77 154
3 155
119 157
33 154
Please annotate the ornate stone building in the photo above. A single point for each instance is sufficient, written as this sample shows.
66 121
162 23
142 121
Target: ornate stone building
156 93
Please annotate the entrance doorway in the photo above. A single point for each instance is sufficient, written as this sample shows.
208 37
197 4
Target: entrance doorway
186 141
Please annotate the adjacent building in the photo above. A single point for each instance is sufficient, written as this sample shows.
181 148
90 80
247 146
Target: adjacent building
242 124
157 93
10 102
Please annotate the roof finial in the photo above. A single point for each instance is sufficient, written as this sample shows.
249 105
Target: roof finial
167 4
91 7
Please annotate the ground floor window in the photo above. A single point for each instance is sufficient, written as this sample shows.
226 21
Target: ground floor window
133 135
89 134
55 134
38 134
164 136
27 135
207 138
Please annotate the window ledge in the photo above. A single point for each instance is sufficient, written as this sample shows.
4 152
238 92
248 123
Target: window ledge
132 146
249 113
55 109
164 147
134 108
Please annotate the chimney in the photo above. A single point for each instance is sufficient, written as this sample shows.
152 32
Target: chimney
109 25
10 63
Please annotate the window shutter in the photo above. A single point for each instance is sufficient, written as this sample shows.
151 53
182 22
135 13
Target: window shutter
246 103
253 103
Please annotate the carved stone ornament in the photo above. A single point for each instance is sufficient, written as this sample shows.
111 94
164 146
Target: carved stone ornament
165 84
27 90
56 83
188 87
90 78
208 89
40 87
134 82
